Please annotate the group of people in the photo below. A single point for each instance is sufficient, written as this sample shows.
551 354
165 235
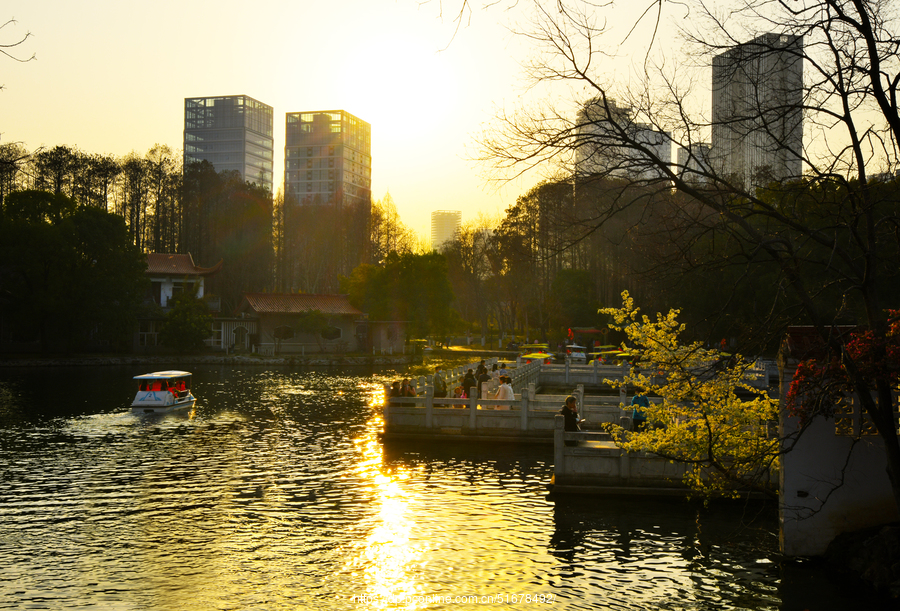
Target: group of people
476 379
402 388
177 387
638 404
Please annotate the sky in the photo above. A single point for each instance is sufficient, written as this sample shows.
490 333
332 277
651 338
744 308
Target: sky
110 77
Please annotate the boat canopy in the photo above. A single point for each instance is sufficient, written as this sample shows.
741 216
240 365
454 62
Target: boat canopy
163 375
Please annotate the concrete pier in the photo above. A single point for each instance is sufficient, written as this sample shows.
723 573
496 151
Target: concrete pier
529 418
592 464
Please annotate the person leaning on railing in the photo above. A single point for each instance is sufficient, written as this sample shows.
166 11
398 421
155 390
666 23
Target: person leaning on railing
570 413
394 392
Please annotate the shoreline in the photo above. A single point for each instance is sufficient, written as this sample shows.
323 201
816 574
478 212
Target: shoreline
317 359
204 359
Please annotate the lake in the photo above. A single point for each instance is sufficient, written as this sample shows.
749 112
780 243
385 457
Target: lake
275 492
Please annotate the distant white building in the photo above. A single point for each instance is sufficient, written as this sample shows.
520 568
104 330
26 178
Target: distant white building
609 143
444 227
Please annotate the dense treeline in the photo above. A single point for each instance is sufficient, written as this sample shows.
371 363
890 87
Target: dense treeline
166 208
546 266
70 275
559 254
564 250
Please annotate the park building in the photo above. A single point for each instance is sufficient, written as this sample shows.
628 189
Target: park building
233 133
328 158
609 143
757 110
444 227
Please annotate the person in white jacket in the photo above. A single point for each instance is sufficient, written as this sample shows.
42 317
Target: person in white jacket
504 392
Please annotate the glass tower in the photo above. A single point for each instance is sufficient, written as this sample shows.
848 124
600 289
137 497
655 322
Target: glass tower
232 133
328 158
757 109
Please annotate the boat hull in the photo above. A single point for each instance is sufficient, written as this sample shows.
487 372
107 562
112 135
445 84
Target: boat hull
158 402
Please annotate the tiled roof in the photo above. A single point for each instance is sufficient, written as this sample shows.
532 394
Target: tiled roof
295 303
177 265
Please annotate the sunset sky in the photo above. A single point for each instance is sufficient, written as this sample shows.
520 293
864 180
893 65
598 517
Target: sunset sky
111 77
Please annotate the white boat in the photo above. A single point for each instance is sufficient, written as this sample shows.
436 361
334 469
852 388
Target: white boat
162 391
576 353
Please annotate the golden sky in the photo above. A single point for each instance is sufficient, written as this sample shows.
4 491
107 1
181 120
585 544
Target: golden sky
111 77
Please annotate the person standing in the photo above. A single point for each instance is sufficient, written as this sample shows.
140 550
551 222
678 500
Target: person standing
482 368
505 392
394 392
638 417
460 391
469 381
484 377
440 384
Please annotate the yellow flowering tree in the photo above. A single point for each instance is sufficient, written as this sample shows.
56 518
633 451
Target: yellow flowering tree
710 418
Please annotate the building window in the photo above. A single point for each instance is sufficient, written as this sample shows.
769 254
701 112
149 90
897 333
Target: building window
216 339
147 333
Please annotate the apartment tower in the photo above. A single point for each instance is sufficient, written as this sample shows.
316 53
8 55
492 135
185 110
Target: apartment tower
328 158
605 143
444 227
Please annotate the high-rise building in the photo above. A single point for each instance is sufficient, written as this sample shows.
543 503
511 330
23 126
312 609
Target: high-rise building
757 112
444 227
328 158
232 133
692 163
605 143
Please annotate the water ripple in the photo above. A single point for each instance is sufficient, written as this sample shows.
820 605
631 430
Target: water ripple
274 492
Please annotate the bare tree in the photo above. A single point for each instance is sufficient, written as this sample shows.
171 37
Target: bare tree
12 161
829 239
469 270
387 232
8 48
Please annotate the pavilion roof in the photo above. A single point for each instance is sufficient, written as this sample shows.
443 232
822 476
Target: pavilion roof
296 303
177 265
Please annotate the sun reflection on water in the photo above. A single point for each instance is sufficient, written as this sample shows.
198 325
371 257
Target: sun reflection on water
385 560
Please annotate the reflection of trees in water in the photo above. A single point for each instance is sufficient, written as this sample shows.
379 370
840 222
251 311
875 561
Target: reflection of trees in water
513 465
726 546
8 399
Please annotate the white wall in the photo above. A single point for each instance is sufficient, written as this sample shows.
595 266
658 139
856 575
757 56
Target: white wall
823 493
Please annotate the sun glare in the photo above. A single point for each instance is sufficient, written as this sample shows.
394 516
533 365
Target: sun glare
386 558
402 86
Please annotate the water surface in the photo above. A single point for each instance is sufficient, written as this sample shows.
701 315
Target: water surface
275 492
